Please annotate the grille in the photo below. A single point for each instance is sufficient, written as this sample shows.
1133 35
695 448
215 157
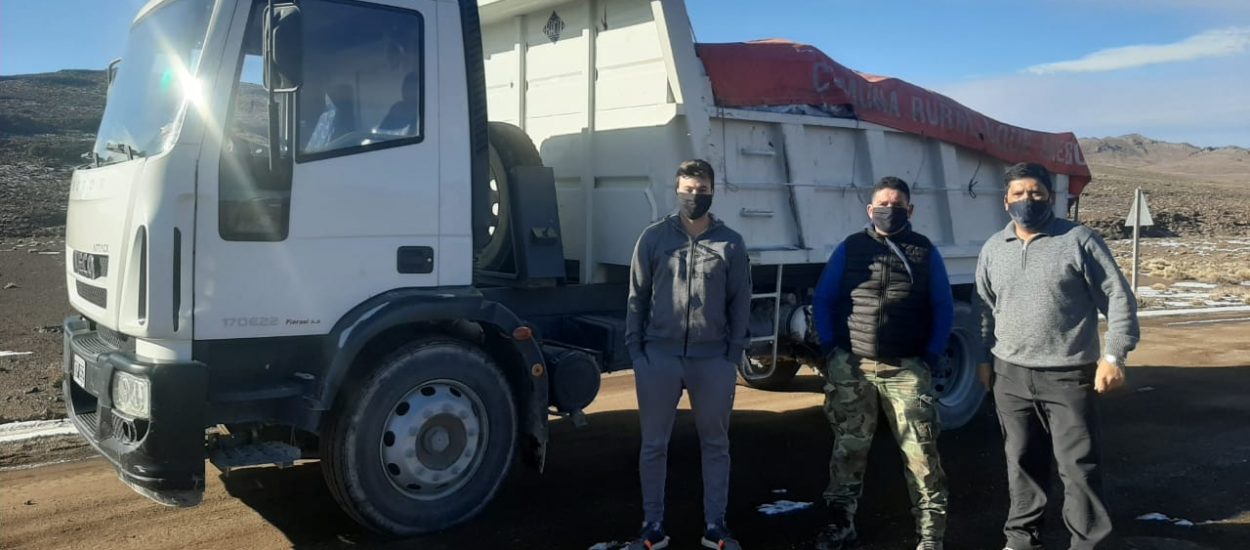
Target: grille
92 344
94 294
91 421
115 340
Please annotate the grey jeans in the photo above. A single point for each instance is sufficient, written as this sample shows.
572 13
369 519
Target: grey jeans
711 383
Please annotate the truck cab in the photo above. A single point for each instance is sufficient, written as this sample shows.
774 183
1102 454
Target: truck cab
279 204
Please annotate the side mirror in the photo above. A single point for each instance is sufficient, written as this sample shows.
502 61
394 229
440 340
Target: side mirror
112 70
284 45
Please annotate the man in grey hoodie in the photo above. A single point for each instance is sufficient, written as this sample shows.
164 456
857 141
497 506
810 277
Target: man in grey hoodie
1043 281
686 325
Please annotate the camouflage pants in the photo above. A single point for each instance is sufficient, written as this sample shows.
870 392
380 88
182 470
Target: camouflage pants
904 388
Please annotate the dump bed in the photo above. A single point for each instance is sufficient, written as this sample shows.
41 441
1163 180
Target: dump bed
615 93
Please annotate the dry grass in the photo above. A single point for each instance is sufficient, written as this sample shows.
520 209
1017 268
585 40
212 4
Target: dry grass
1228 273
1239 292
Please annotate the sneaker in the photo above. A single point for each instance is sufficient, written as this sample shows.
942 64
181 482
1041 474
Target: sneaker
838 535
652 537
717 536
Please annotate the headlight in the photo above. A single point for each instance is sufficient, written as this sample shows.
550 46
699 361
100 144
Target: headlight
131 394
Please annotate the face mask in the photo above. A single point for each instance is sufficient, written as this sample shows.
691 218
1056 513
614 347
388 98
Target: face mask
694 205
889 219
1030 214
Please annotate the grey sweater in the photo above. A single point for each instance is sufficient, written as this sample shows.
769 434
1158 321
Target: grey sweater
689 296
1041 299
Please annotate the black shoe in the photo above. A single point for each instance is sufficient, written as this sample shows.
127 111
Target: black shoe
718 537
839 534
652 537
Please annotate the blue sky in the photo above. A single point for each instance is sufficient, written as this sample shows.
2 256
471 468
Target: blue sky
1177 70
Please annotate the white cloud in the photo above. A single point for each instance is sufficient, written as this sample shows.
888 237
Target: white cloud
1212 43
1205 107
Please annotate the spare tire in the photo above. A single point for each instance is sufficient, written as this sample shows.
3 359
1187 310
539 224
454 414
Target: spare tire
510 147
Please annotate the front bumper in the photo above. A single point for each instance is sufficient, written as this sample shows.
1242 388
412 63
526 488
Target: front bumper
161 457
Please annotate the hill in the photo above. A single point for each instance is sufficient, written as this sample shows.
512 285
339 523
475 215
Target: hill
47 121
1192 191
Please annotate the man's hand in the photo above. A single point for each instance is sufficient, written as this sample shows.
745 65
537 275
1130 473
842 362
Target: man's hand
986 372
1110 377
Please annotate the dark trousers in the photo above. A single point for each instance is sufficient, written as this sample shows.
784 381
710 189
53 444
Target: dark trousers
1044 413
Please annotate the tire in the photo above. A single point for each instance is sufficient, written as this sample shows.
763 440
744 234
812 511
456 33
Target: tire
461 421
762 374
510 147
959 391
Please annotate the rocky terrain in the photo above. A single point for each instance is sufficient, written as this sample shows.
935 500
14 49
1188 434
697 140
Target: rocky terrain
47 121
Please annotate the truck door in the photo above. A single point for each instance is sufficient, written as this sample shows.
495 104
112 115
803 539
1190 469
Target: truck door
348 206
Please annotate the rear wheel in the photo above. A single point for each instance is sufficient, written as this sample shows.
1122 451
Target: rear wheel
424 442
764 374
959 391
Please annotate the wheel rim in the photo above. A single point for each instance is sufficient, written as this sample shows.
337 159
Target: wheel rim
950 381
493 251
434 439
494 204
755 369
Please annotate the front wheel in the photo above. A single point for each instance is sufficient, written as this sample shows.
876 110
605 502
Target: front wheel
424 442
959 390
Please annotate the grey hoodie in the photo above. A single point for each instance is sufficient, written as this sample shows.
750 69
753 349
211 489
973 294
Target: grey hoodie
689 296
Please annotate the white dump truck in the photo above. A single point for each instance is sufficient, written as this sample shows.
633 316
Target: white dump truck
301 236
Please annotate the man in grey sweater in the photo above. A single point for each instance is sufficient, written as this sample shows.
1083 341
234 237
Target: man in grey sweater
1043 281
686 325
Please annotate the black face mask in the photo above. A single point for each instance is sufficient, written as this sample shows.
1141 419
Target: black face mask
889 219
694 205
1030 214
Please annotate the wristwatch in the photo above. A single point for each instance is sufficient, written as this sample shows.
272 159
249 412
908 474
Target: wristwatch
1110 358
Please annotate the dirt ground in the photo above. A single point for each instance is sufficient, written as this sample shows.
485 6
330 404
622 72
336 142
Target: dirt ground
32 305
1177 443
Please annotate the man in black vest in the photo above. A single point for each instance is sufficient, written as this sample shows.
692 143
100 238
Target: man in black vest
884 310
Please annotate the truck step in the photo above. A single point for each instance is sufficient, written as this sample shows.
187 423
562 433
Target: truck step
264 453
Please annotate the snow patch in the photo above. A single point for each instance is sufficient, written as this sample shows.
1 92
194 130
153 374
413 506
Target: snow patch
1156 516
1192 284
22 431
782 507
1194 311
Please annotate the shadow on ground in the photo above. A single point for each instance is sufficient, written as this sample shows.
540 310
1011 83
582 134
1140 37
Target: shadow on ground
1177 443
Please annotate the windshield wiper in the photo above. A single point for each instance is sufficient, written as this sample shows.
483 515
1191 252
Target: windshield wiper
125 149
93 160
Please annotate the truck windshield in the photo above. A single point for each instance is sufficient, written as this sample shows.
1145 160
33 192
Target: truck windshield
156 79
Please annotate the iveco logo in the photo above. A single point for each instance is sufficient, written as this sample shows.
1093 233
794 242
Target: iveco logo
89 265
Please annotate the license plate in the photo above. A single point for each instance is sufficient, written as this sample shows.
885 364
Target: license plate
80 371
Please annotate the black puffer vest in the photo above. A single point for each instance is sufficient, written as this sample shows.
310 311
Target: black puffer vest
885 306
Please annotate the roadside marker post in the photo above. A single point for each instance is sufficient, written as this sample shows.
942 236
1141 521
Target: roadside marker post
1138 217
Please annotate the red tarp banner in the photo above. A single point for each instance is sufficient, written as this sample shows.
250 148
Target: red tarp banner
779 72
